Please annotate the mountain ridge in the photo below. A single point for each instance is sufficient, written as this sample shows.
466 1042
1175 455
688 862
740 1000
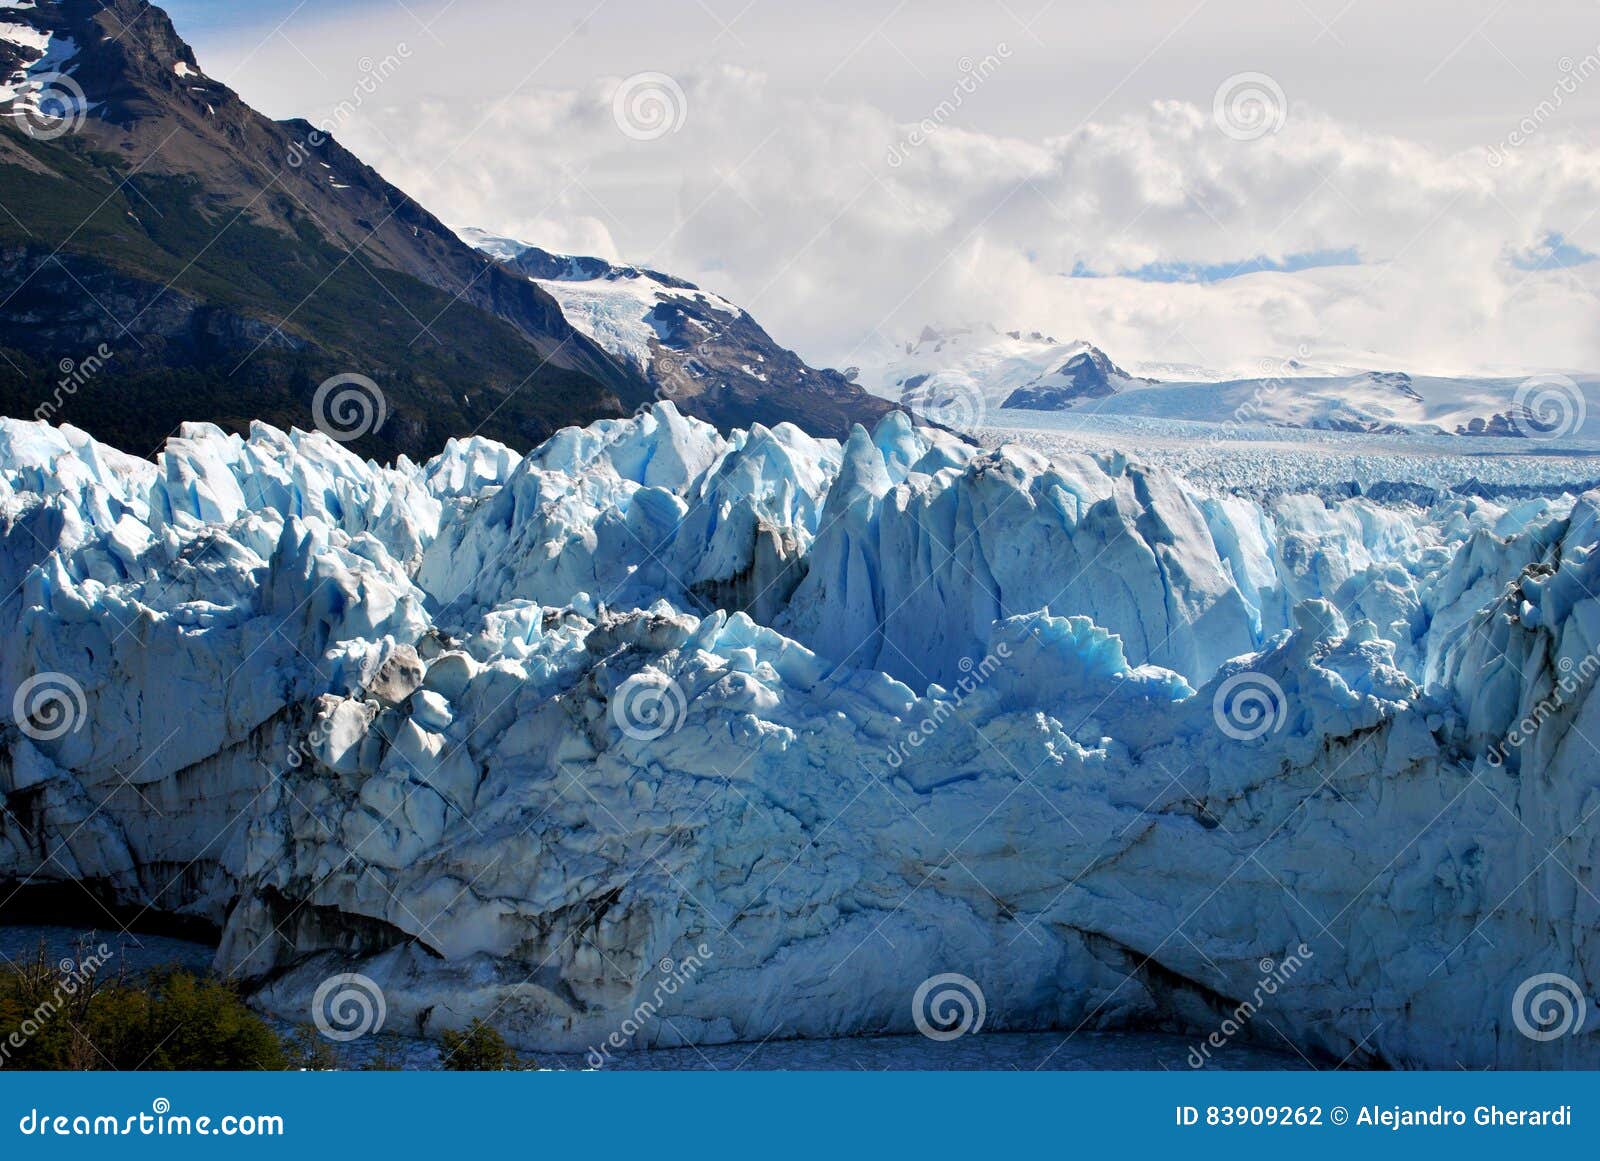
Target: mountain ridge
214 265
704 352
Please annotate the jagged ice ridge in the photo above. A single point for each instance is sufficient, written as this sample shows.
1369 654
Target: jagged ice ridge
505 733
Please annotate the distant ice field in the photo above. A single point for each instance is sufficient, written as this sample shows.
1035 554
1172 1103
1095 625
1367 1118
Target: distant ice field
1256 461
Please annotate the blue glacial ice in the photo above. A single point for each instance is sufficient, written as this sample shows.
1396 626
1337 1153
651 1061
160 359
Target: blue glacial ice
506 733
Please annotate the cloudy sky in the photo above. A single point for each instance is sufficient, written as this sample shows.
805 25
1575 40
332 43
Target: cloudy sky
1210 182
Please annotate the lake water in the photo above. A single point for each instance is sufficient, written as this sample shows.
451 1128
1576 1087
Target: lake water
1022 1051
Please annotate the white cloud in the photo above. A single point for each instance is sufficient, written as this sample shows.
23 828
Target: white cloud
793 207
1092 143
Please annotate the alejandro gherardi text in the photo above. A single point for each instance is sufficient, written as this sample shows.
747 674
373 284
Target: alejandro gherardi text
1395 1117
1390 1117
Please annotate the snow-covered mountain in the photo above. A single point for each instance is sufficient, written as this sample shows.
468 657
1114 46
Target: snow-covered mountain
156 218
223 266
31 55
982 375
1533 407
506 734
1086 375
954 371
696 348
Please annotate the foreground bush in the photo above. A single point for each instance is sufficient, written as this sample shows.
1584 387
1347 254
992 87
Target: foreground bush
168 1019
479 1049
81 1015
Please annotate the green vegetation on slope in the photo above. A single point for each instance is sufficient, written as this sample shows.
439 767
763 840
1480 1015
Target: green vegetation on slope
88 252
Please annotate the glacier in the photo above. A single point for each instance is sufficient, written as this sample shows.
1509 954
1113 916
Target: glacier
514 735
969 376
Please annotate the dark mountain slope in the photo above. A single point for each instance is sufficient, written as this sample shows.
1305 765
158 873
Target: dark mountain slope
710 356
229 265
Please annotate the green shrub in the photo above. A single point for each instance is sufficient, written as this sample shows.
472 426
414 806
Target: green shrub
479 1049
309 1051
168 1019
